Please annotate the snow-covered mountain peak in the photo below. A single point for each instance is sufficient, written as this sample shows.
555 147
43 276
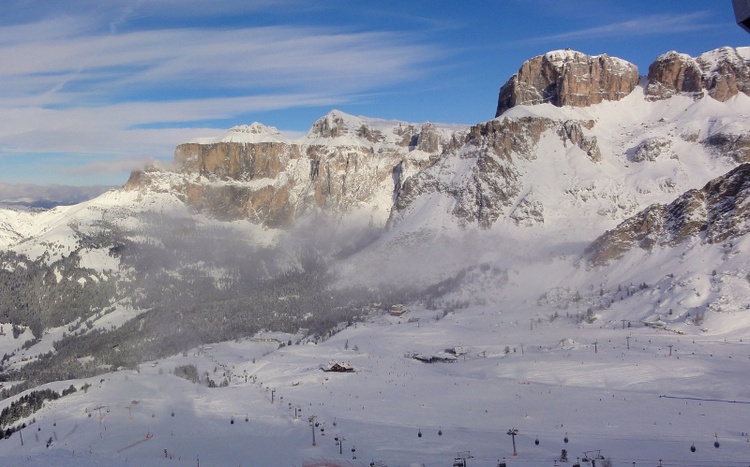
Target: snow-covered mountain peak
561 56
712 59
255 128
253 133
335 124
672 54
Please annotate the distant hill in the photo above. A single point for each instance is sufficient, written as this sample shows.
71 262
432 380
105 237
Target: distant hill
46 196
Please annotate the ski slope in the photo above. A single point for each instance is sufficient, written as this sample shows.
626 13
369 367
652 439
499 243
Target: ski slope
638 394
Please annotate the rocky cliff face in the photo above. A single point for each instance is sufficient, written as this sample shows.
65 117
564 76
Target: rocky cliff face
718 212
344 165
492 181
567 77
721 73
730 145
492 185
673 73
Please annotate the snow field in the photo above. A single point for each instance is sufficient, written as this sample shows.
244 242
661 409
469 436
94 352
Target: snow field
607 398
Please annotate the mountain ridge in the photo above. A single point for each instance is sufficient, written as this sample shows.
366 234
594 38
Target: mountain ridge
718 212
254 173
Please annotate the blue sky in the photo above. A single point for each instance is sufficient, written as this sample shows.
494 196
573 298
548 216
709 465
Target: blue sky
91 89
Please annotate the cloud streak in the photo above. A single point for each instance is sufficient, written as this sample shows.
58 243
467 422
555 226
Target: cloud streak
71 87
640 26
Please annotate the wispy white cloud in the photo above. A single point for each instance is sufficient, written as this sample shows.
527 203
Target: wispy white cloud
247 59
130 79
106 167
122 128
640 26
86 84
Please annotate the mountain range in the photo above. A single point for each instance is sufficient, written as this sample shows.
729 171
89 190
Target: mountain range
20 196
595 192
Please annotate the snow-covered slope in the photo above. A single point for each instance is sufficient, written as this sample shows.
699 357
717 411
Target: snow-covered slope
635 395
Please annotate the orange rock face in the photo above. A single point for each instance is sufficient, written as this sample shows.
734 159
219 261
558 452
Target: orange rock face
568 78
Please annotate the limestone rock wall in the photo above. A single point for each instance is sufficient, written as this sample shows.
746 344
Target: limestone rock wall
344 164
568 78
722 74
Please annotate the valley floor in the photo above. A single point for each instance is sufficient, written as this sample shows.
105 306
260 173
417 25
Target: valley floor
641 396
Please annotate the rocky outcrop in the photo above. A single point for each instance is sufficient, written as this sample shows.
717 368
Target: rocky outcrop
235 161
718 212
330 126
528 212
726 72
344 164
721 73
651 149
572 131
673 73
491 186
566 77
733 146
428 139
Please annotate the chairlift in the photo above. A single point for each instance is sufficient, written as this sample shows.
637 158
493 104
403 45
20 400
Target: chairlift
592 456
459 462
